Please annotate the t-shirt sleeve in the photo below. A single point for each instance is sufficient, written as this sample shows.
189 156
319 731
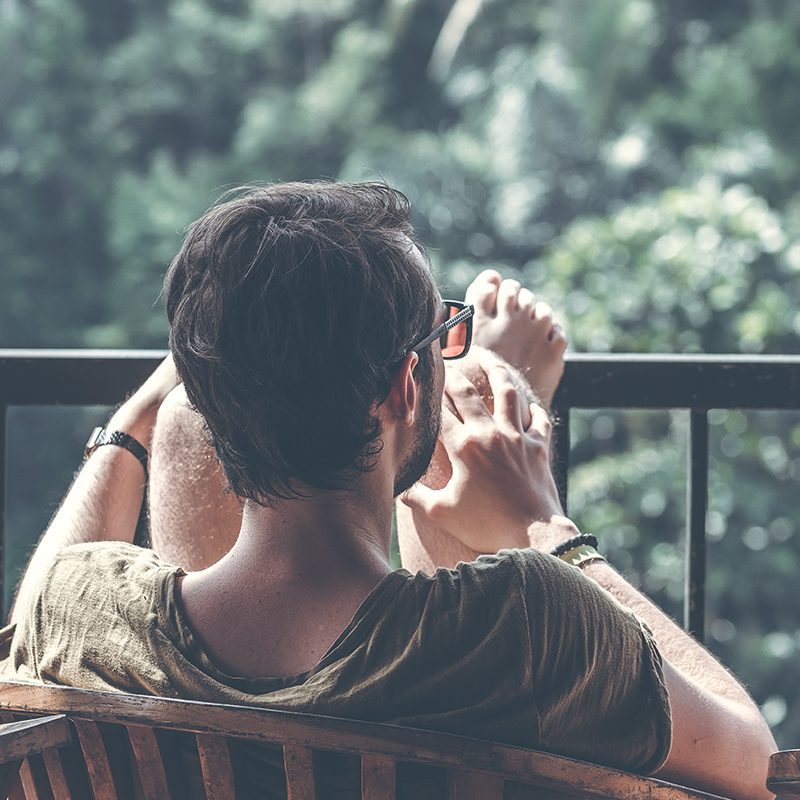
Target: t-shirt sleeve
598 675
89 622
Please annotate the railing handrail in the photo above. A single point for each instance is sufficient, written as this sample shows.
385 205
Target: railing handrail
591 380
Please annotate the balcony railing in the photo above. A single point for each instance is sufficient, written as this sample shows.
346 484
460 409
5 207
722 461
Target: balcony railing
621 381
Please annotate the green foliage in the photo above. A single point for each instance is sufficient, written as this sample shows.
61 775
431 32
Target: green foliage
710 269
632 161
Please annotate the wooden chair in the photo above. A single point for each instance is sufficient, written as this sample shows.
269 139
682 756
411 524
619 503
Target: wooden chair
122 748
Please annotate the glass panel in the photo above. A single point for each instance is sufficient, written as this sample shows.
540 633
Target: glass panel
627 486
753 616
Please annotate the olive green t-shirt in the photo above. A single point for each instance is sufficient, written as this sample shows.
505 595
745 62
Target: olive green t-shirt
517 647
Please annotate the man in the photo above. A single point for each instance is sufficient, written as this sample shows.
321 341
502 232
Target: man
308 332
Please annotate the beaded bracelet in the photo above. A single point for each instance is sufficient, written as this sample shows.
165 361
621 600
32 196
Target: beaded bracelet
580 555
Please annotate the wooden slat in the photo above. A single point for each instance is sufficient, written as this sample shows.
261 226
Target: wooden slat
378 778
55 772
27 782
473 786
35 781
298 762
216 767
149 762
32 736
96 758
783 777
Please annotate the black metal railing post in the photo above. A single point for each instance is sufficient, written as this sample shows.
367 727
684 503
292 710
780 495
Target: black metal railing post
694 604
561 451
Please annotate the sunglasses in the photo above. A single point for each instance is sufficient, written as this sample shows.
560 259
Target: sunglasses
454 334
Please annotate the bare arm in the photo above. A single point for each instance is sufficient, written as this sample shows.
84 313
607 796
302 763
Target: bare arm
104 500
720 741
502 495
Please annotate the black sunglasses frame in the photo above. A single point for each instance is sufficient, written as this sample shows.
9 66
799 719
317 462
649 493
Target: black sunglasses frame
465 313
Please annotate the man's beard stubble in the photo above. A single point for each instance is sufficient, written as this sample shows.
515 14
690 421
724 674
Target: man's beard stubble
419 459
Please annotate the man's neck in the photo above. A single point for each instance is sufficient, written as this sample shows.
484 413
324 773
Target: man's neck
292 581
346 530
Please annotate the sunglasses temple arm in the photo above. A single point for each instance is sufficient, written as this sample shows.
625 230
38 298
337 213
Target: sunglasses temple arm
432 337
462 316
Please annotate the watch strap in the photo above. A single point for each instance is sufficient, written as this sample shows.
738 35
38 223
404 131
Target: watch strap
100 437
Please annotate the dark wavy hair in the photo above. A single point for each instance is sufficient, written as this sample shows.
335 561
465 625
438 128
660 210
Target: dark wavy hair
289 307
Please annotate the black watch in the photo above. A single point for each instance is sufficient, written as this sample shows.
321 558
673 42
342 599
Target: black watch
101 436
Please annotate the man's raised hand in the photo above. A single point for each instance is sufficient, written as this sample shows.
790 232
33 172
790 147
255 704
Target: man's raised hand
137 415
501 483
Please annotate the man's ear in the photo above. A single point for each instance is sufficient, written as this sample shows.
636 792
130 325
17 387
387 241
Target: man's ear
404 394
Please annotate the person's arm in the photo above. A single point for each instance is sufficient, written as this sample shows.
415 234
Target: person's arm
502 495
720 741
103 502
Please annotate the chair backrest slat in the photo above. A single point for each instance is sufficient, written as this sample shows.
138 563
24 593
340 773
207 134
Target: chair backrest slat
378 778
298 763
216 767
96 758
56 774
463 785
26 781
149 763
35 782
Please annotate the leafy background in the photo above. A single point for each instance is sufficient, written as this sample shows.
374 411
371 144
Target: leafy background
633 161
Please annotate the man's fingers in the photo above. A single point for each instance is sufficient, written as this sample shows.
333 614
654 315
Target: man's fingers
506 397
540 421
161 381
